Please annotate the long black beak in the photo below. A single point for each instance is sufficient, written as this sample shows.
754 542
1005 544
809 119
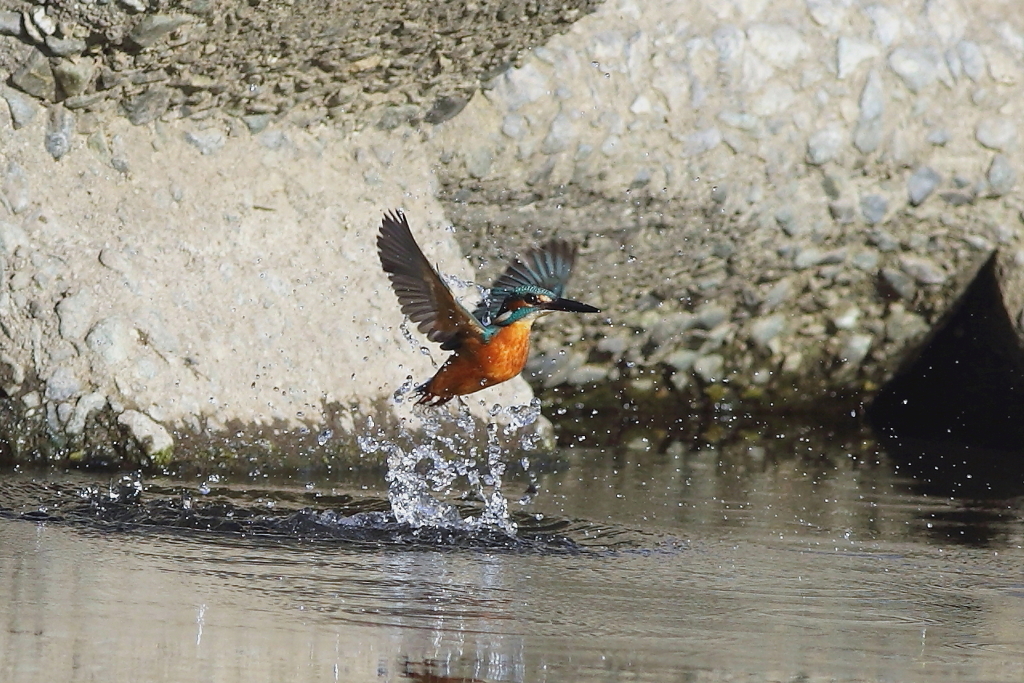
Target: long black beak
571 306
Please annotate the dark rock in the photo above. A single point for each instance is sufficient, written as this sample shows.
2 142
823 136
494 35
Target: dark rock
36 77
147 106
898 283
64 47
60 126
921 184
873 208
1001 175
10 23
445 107
154 27
74 75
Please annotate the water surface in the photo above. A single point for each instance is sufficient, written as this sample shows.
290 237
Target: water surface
805 558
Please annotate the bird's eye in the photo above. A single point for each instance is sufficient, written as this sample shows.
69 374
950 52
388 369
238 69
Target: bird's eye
531 299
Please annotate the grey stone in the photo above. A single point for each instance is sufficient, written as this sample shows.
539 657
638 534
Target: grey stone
256 123
45 23
671 326
478 161
515 126
710 368
147 106
75 313
902 326
921 184
850 52
884 240
824 145
808 257
866 260
855 349
60 127
35 77
780 45
899 283
444 108
938 137
561 133
972 59
873 207
135 5
15 188
86 405
872 97
847 320
701 141
12 236
867 137
10 23
517 87
23 108
682 360
396 116
156 441
922 269
111 340
1001 175
154 27
788 222
916 67
586 374
842 212
208 141
764 330
64 47
781 292
62 385
74 75
957 198
710 315
996 132
31 30
83 101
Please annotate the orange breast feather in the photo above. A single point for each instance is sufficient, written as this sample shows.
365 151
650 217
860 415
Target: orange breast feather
476 366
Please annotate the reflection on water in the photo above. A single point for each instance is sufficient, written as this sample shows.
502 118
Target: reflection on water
809 557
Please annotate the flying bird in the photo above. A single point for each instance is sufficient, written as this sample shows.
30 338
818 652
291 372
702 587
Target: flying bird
491 344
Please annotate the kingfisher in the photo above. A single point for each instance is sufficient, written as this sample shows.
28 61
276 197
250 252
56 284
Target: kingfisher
492 343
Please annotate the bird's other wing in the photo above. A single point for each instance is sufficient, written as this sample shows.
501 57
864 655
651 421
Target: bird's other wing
423 295
547 267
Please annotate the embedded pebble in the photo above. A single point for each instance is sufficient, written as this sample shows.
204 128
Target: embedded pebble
60 127
135 5
873 207
74 75
764 330
710 316
1001 175
111 340
921 184
46 24
900 283
147 106
780 292
922 269
208 141
86 405
825 144
10 23
62 385
35 77
996 132
916 67
682 360
75 313
855 349
64 47
972 59
901 326
155 440
154 27
710 368
850 52
847 320
22 107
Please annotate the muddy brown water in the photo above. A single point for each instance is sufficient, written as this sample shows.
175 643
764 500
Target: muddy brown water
789 559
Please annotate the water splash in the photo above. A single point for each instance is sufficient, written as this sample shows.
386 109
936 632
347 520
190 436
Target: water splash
450 457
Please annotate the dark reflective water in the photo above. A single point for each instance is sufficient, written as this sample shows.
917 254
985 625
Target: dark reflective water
810 556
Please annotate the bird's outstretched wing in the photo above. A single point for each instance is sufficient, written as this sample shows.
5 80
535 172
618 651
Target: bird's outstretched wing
424 296
547 267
